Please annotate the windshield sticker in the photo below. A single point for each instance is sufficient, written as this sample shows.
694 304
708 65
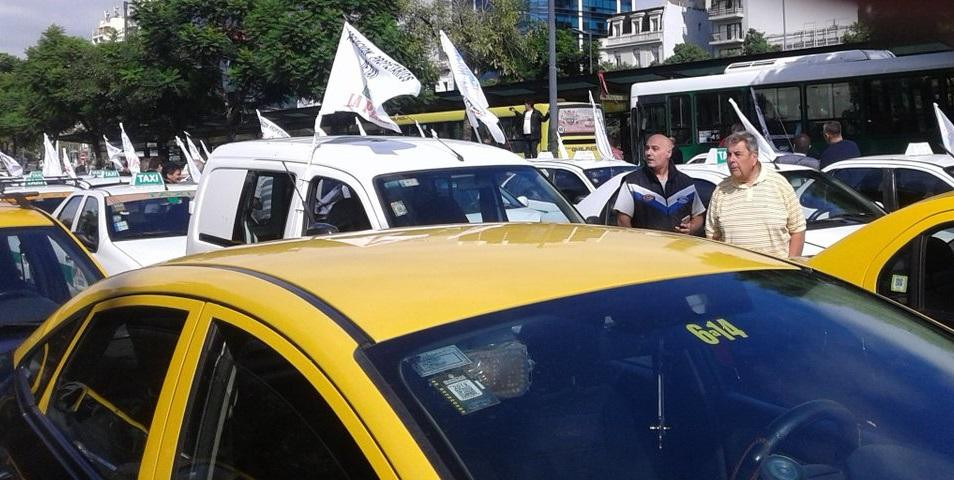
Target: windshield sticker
899 283
408 182
117 218
713 331
121 226
436 361
398 208
465 394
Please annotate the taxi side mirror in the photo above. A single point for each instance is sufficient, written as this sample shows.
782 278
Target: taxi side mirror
320 229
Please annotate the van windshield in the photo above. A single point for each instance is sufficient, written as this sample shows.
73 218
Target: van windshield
472 195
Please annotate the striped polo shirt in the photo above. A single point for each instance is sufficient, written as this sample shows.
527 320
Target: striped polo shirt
761 217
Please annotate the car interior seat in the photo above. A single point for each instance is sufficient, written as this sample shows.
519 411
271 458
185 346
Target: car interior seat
347 214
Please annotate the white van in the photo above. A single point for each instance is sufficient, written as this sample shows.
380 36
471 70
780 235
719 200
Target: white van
285 188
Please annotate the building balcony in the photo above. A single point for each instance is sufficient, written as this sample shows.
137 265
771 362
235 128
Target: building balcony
721 12
720 38
810 38
641 38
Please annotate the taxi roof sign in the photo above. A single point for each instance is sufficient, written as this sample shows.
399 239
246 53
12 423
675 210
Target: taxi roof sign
105 173
919 148
34 179
716 156
151 179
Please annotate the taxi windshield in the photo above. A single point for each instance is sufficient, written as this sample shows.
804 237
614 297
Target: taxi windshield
685 378
40 268
154 215
826 200
472 195
599 176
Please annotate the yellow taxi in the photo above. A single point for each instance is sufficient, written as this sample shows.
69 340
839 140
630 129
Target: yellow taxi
907 256
41 266
500 351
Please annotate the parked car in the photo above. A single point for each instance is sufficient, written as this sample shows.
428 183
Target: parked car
286 188
575 179
128 226
45 193
896 181
907 256
41 267
362 356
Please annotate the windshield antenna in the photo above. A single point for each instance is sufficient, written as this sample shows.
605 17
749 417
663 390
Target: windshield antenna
304 206
459 156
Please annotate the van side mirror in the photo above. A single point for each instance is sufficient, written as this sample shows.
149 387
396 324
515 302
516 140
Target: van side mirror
320 229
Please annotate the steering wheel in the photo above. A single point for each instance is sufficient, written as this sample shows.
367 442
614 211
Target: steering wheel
19 292
817 213
790 421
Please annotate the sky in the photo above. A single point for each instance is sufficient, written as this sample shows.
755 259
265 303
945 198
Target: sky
22 21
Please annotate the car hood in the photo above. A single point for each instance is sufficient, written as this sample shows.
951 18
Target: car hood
148 251
819 239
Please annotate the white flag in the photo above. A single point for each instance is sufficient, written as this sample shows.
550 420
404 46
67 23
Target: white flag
360 127
10 164
194 151
270 129
362 79
947 130
68 164
132 160
767 152
419 129
474 99
206 150
113 153
562 148
51 160
599 127
194 173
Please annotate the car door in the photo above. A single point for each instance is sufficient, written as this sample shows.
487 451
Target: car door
918 269
92 394
250 404
913 185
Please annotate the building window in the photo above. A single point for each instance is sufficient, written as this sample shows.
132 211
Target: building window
627 27
654 24
645 26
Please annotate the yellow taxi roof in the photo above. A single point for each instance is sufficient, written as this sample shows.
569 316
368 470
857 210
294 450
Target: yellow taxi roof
398 281
15 216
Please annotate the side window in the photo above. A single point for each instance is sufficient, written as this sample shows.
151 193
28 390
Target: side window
915 185
939 271
896 279
87 226
866 181
253 415
335 203
104 399
263 207
69 211
216 205
570 185
39 364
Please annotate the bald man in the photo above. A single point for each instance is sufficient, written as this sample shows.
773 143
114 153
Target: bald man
657 196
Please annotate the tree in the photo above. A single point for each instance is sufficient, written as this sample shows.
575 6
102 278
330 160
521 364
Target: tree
858 32
687 52
755 43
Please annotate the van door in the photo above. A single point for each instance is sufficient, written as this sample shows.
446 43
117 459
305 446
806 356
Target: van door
216 204
335 202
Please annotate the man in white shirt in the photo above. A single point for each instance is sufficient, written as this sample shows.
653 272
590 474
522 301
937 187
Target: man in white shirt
530 128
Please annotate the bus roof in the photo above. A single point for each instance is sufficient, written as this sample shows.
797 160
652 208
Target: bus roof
801 69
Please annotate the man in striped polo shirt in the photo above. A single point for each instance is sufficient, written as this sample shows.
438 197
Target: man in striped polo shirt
755 207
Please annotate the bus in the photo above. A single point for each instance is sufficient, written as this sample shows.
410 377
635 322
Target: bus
576 126
883 101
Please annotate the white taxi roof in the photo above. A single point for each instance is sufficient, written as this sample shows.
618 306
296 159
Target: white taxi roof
582 164
939 160
126 189
367 157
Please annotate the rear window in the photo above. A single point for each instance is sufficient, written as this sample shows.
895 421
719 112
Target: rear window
148 215
471 195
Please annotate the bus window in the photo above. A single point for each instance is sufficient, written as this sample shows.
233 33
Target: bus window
782 108
680 116
715 115
652 119
827 101
902 105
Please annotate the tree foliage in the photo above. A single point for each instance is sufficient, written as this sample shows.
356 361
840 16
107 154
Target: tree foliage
755 42
687 52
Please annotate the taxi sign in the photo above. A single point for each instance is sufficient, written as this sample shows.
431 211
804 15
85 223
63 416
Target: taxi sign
919 148
110 173
35 178
143 179
717 155
96 173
